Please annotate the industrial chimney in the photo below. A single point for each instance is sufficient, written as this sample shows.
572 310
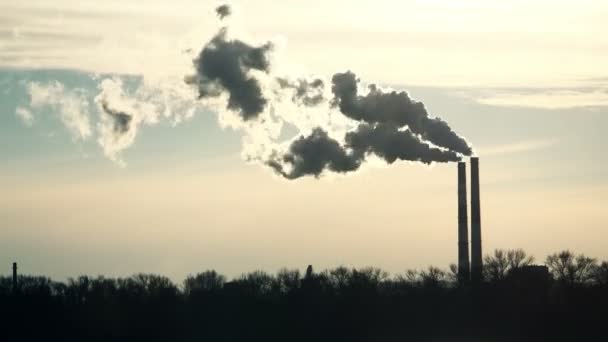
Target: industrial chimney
463 226
14 277
476 256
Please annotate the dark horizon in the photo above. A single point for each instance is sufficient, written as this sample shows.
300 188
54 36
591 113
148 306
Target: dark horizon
563 266
516 301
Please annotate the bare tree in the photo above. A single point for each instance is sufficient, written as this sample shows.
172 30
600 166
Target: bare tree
571 269
369 278
78 288
433 277
412 276
287 280
600 274
498 266
453 274
518 258
204 282
339 278
257 282
155 285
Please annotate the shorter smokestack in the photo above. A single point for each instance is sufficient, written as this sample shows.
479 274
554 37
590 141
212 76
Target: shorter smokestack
14 277
463 226
476 256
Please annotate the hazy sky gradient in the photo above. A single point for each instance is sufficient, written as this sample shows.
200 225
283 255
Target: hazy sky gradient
525 83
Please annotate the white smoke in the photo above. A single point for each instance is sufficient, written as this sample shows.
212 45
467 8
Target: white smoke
145 103
25 115
72 106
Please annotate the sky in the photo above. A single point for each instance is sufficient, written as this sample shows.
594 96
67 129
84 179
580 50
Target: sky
182 188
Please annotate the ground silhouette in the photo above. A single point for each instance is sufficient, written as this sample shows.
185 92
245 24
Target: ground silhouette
516 302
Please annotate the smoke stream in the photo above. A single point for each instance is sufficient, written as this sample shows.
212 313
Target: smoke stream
307 93
226 65
395 108
223 11
292 123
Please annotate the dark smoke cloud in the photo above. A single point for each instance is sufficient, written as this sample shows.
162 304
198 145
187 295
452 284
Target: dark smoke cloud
223 11
439 133
308 93
313 154
395 108
224 66
121 120
390 143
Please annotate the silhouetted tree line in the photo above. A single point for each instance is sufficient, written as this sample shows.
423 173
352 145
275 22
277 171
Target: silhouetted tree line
515 302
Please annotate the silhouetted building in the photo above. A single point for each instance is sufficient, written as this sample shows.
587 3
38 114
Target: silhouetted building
531 275
531 283
309 272
476 253
463 225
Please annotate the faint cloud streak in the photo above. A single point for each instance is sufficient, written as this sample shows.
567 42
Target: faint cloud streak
71 105
517 147
25 115
547 99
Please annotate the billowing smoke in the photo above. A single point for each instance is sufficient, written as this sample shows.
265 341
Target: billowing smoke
317 152
226 65
296 124
391 144
71 106
336 131
223 11
313 154
307 93
123 111
393 108
121 120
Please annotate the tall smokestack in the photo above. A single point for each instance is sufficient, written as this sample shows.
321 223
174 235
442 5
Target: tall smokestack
476 258
14 277
463 225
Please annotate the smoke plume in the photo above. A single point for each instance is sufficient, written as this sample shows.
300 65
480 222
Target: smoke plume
386 124
71 106
313 154
223 11
307 93
124 110
317 152
121 120
395 108
226 65
390 143
297 124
